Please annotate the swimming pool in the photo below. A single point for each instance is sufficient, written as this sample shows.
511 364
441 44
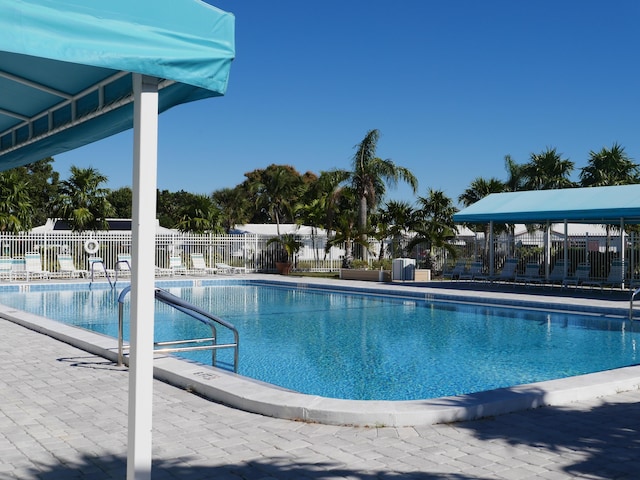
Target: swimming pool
370 347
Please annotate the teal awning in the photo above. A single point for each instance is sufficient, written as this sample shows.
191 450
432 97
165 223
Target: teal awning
601 205
65 67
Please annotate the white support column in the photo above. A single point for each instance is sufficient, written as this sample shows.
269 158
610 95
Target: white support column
145 153
492 250
547 249
565 256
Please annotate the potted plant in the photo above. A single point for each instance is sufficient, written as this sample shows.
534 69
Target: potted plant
290 246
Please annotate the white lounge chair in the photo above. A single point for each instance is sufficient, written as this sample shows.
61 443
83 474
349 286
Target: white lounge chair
226 268
33 266
199 266
6 268
67 269
176 266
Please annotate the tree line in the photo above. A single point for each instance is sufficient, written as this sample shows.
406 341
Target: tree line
349 203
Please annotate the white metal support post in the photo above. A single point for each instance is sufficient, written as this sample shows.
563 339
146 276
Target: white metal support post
145 159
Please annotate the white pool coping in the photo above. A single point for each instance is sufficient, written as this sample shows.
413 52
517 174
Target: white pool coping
258 397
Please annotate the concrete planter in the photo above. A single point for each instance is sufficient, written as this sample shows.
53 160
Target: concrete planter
366 275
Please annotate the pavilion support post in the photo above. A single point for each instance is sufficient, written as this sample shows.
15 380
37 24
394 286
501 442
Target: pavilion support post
547 249
565 255
145 152
622 251
492 250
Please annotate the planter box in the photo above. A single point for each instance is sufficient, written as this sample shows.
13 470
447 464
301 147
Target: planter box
423 275
366 275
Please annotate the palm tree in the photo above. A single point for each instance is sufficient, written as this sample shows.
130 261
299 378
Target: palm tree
477 190
16 208
234 206
200 215
547 170
609 166
277 191
433 224
368 176
394 220
83 202
516 179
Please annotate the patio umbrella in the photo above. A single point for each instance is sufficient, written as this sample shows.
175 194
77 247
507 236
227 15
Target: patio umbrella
76 71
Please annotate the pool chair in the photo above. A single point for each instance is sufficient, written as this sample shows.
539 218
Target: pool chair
508 272
615 277
123 265
226 268
19 268
458 269
199 266
33 266
97 268
557 275
473 273
176 266
67 269
581 275
531 274
6 268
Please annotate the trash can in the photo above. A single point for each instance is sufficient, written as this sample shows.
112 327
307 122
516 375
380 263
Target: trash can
403 269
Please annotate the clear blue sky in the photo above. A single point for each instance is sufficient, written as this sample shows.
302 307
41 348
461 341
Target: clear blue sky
452 85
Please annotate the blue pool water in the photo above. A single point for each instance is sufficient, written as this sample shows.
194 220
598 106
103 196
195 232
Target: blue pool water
365 347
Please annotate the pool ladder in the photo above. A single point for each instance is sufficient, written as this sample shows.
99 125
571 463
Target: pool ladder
195 344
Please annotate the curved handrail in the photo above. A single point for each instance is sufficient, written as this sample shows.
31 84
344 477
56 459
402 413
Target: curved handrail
633 294
188 309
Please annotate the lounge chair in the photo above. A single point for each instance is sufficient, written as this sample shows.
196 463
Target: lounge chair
508 272
473 273
581 275
459 269
199 266
531 274
615 277
557 275
6 268
97 268
67 269
19 268
226 268
33 266
176 266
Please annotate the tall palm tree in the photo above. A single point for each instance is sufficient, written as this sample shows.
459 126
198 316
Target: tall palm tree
609 166
16 208
83 202
516 178
547 170
369 174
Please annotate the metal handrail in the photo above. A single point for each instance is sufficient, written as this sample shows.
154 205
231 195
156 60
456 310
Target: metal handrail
633 294
194 312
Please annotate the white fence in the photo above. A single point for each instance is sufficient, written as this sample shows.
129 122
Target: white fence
246 250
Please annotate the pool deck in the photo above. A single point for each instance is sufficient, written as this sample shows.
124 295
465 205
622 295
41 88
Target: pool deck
63 414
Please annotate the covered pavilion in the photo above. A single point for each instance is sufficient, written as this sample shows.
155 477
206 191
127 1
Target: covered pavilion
610 205
73 72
